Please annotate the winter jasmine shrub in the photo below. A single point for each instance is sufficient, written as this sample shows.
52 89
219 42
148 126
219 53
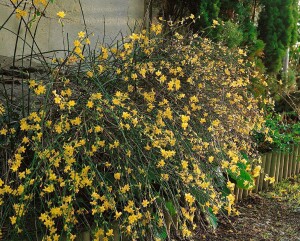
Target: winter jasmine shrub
138 136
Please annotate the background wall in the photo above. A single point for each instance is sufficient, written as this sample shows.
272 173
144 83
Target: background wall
116 15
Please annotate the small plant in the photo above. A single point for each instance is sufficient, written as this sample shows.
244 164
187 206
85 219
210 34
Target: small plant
281 132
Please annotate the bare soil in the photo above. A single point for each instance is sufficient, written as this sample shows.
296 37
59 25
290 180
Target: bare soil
271 216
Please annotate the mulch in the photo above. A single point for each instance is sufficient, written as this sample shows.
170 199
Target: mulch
261 219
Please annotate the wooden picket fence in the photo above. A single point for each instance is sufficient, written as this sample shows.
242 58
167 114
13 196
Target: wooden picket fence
277 164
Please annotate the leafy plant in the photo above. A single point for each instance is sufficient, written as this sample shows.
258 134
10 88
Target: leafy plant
117 136
280 132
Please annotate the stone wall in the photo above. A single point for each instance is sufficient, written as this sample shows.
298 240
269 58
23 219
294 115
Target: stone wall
116 15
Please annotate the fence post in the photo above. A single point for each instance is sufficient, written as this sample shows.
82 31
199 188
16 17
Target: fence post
273 165
241 191
286 165
260 178
290 173
294 160
279 167
245 193
297 159
236 193
267 170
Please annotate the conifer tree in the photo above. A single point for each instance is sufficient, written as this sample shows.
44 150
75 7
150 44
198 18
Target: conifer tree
278 29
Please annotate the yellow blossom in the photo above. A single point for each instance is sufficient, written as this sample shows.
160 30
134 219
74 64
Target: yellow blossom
117 176
81 34
61 14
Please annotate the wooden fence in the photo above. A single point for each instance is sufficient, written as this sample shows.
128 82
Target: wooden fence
277 164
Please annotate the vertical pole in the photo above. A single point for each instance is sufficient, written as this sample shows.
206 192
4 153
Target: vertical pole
297 159
273 164
279 167
245 194
267 169
241 191
260 178
286 166
236 194
294 160
286 62
290 162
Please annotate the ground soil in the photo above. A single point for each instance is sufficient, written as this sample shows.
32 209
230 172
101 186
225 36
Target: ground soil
262 217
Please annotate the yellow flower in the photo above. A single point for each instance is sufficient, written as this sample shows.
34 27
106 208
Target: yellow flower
49 188
110 232
118 214
184 164
143 72
230 185
185 118
256 171
270 179
41 89
189 198
227 72
76 121
161 163
61 14
215 209
20 13
145 203
90 104
215 22
71 103
81 34
3 131
117 176
134 76
13 220
125 189
215 123
89 74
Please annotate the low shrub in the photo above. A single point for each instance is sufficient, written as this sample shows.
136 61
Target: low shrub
130 136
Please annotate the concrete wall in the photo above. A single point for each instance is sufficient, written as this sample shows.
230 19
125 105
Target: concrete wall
114 14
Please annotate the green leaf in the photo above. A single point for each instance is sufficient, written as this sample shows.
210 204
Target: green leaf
242 166
245 156
225 191
244 176
212 218
171 208
162 234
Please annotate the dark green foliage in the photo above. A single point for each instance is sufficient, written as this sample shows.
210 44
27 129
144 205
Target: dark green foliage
208 10
278 29
231 34
177 9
